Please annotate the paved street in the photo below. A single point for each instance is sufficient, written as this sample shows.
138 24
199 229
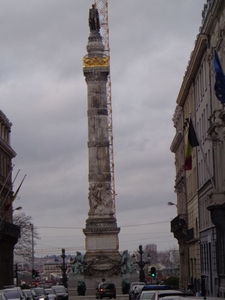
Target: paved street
88 297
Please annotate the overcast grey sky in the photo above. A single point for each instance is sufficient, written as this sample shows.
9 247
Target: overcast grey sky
44 94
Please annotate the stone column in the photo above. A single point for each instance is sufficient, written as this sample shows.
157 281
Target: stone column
102 257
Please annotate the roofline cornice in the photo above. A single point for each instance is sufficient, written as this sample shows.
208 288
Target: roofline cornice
200 47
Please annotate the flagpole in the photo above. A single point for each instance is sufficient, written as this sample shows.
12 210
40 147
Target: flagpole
13 197
9 190
4 184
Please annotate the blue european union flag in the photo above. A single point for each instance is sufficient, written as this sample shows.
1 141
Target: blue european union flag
220 79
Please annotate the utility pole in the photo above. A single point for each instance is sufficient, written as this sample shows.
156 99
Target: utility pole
141 265
32 242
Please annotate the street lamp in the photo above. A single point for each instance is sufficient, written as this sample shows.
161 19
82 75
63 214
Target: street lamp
142 264
63 267
171 203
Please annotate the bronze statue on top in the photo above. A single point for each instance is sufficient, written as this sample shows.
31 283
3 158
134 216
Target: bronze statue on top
94 23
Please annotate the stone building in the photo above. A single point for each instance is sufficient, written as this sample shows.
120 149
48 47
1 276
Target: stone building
9 233
200 224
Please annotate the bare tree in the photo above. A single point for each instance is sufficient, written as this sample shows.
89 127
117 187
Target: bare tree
170 260
29 233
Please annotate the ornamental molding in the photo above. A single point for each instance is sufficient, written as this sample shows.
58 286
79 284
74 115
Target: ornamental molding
176 141
90 62
95 230
98 144
6 147
4 120
177 115
93 177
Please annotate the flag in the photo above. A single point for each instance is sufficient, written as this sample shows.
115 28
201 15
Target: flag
13 197
219 86
192 142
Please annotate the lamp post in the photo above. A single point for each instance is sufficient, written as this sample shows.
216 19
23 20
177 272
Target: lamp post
171 203
63 267
142 264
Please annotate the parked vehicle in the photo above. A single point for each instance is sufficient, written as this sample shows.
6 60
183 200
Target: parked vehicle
61 292
2 296
14 293
51 294
41 293
106 290
172 294
135 290
28 295
147 295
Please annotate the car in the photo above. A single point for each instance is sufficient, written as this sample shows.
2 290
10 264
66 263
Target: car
51 294
61 292
135 290
156 287
41 293
147 295
165 294
106 289
2 296
14 293
182 297
30 294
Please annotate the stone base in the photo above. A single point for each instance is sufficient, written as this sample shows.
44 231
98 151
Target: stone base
92 283
102 264
102 257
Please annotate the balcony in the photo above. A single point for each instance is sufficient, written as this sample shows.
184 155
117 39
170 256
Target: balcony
179 227
10 229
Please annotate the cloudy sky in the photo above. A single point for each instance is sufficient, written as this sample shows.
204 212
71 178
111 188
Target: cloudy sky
44 94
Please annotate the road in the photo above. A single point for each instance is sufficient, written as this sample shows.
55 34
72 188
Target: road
88 297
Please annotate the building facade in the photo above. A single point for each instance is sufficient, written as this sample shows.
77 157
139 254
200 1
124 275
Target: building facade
203 187
9 233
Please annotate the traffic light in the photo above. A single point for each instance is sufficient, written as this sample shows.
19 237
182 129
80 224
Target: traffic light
36 274
153 272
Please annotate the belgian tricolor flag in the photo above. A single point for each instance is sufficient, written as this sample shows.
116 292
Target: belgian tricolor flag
192 142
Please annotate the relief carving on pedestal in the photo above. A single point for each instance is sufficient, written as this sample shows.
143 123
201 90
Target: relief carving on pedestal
100 200
102 265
